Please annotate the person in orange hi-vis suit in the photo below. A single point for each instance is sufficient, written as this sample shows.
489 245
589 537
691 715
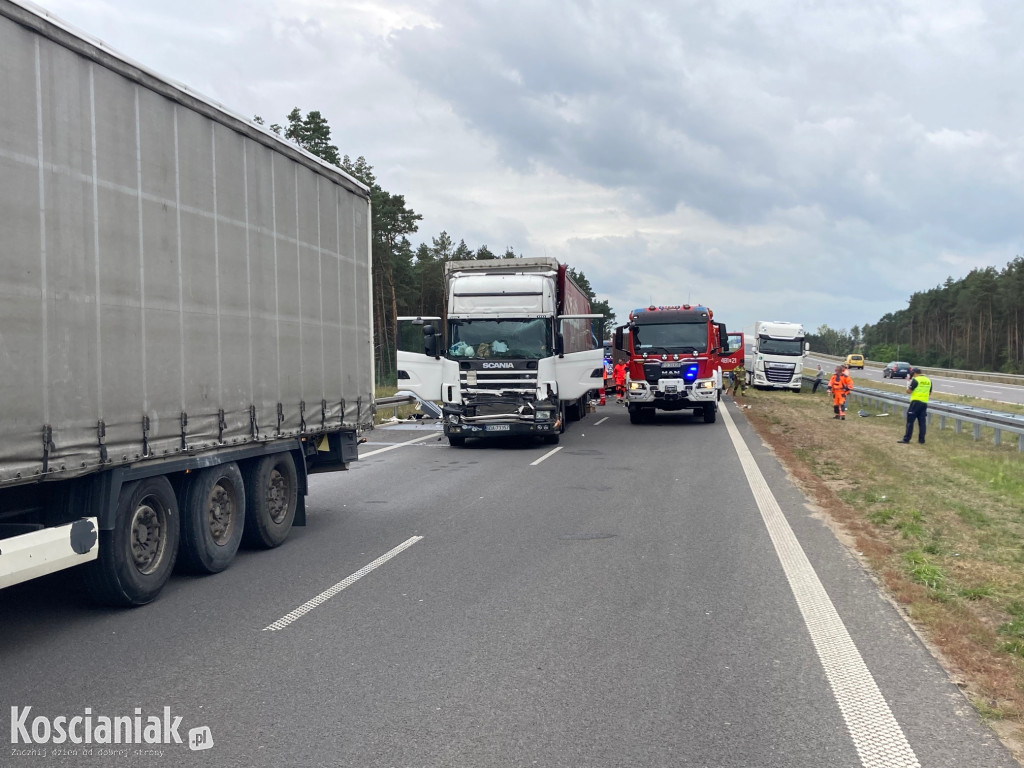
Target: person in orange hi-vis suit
619 372
840 385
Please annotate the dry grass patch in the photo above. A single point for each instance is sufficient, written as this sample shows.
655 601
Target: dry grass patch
941 525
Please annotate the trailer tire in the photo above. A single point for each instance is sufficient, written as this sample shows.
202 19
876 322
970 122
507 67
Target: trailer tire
271 498
456 441
710 414
137 556
212 518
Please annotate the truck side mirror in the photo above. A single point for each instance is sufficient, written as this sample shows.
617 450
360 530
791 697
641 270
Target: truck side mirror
723 339
430 341
807 347
617 340
559 344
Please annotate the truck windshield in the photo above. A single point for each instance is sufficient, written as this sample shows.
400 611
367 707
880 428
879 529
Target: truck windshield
794 347
519 339
670 337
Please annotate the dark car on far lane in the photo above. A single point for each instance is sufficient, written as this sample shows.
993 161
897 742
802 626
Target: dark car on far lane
896 370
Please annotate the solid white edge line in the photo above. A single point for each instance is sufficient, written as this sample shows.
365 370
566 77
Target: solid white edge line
327 594
602 421
877 737
398 445
550 453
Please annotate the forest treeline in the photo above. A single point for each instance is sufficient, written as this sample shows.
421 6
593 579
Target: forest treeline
975 323
407 279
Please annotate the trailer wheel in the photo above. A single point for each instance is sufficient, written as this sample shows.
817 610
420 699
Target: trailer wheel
272 495
456 441
710 414
212 518
137 556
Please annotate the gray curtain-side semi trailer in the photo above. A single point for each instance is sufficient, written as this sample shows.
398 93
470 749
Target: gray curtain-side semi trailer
185 320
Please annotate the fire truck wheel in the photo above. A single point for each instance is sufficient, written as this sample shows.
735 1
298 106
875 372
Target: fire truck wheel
636 416
710 414
456 440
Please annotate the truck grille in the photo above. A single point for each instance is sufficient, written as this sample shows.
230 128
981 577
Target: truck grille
495 382
779 373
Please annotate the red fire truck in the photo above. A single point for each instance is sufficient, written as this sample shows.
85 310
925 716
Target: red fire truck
674 360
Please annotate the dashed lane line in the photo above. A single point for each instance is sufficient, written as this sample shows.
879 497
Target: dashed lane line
327 594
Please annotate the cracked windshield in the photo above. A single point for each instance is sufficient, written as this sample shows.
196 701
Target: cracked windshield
521 339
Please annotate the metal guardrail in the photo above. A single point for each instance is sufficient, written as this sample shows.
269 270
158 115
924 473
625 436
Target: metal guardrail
998 421
405 397
955 373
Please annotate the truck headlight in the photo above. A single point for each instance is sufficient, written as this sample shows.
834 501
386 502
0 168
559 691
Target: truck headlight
453 418
706 384
635 385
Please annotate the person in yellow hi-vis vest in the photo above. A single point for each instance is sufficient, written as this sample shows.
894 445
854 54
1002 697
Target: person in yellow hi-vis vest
920 389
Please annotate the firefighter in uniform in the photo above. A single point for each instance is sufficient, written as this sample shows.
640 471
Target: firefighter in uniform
840 385
920 389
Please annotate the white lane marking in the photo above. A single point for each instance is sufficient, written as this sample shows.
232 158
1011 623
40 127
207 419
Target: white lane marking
327 594
876 735
399 445
552 452
602 421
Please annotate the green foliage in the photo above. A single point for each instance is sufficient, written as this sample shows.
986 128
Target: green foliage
406 280
975 323
831 342
923 571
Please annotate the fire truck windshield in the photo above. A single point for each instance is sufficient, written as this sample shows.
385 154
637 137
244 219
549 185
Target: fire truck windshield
670 337
769 346
522 339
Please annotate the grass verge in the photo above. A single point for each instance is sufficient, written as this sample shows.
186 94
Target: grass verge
388 413
941 525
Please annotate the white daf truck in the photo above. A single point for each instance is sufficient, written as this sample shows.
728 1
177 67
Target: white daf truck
777 355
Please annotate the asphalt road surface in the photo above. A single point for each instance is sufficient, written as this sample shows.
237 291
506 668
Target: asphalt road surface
640 595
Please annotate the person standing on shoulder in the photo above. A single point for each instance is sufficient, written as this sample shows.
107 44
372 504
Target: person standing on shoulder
818 378
840 385
920 389
738 375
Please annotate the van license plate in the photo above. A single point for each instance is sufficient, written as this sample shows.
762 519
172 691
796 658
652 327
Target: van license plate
497 428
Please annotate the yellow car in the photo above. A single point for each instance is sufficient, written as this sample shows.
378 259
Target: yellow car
855 361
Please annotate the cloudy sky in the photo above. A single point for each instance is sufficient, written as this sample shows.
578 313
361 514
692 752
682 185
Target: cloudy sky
808 160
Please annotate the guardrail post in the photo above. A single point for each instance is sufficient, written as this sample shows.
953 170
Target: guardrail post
942 422
998 438
959 426
977 431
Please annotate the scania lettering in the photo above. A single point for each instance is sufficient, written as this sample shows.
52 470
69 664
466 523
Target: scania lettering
674 360
777 355
531 316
